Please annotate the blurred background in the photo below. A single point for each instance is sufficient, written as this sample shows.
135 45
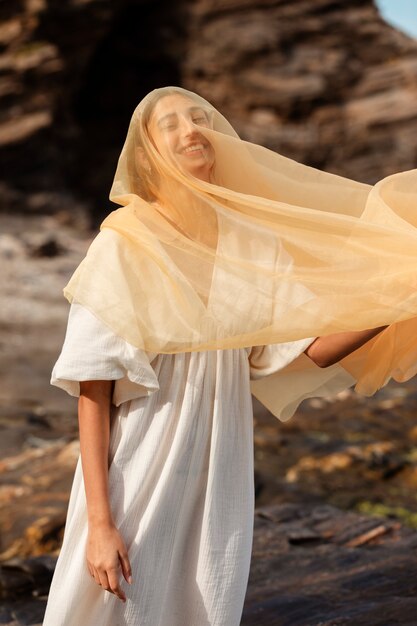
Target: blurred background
332 84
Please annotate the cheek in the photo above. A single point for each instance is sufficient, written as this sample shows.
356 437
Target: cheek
161 142
169 147
211 155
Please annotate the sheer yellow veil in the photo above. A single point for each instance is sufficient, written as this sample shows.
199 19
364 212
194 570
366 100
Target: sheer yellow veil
265 250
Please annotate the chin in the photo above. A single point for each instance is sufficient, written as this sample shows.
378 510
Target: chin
201 174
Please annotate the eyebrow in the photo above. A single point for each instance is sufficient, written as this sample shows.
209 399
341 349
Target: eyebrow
190 109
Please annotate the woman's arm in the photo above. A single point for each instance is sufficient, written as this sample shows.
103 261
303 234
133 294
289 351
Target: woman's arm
326 351
106 551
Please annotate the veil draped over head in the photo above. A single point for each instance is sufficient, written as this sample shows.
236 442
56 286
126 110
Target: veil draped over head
259 250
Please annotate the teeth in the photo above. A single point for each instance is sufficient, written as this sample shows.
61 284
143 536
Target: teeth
195 146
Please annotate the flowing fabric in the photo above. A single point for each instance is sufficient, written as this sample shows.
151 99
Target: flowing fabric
267 250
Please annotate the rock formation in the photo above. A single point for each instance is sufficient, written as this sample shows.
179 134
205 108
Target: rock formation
311 566
326 82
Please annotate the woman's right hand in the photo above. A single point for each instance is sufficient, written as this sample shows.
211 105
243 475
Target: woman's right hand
106 555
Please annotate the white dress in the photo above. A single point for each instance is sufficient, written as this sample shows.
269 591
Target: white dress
181 480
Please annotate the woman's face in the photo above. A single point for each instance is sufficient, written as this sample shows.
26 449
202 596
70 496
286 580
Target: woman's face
172 127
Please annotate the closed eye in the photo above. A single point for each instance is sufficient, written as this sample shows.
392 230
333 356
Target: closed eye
200 120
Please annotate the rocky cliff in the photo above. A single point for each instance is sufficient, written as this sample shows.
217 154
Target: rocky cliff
326 82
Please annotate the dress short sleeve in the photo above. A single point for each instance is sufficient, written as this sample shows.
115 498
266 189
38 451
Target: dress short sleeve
91 351
282 377
265 360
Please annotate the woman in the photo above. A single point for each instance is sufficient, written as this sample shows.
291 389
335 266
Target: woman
203 288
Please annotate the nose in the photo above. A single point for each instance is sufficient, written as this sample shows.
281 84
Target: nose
188 128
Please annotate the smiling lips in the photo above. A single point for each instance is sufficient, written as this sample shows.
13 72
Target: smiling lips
194 147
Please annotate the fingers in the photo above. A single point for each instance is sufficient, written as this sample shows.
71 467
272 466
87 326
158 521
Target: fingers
108 580
104 581
125 565
96 575
114 586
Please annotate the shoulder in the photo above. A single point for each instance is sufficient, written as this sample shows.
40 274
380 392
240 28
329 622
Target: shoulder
107 239
108 235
